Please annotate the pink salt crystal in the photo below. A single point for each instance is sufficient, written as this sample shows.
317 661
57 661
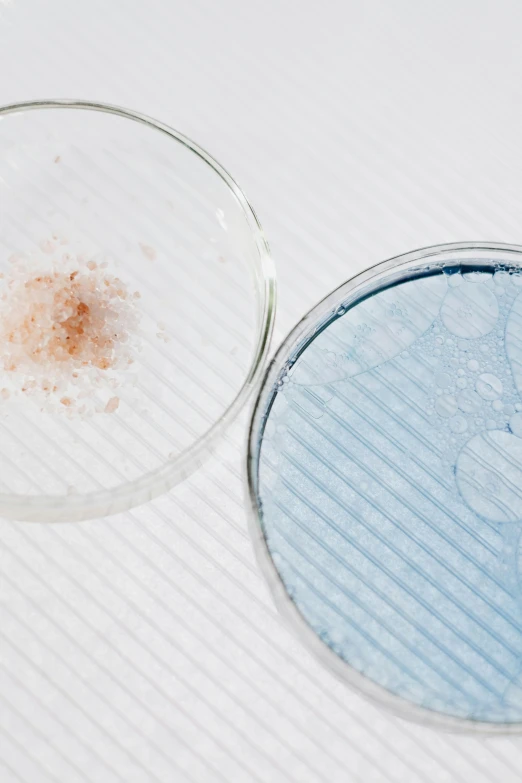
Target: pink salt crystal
5 394
58 159
65 401
92 265
148 252
112 405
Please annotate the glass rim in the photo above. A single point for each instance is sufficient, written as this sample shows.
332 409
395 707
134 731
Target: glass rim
342 670
153 483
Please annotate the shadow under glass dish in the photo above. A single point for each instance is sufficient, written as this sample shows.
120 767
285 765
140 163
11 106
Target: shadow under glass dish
176 229
385 481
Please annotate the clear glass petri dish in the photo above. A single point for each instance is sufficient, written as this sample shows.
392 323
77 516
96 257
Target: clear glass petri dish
384 482
98 185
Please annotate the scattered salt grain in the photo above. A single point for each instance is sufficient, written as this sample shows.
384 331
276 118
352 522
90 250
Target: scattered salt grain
112 405
148 252
47 246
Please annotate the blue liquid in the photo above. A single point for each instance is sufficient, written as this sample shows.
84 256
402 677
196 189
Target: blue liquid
390 483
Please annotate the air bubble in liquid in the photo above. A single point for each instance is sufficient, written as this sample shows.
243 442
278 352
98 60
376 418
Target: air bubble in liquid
455 280
489 476
476 277
442 379
469 311
446 406
489 386
469 401
458 424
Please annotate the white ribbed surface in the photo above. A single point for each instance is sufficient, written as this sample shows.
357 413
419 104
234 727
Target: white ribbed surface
144 647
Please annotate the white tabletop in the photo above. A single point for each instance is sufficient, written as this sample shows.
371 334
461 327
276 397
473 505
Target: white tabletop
146 648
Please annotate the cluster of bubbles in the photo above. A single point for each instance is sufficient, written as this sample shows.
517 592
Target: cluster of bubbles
473 387
475 401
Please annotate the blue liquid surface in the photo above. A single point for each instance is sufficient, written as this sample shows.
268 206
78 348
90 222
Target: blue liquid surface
390 483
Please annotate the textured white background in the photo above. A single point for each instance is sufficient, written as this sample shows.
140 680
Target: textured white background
145 647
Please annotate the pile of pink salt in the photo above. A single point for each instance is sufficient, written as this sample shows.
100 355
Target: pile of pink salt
67 331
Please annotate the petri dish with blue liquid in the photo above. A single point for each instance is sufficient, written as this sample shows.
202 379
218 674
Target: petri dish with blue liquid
385 484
